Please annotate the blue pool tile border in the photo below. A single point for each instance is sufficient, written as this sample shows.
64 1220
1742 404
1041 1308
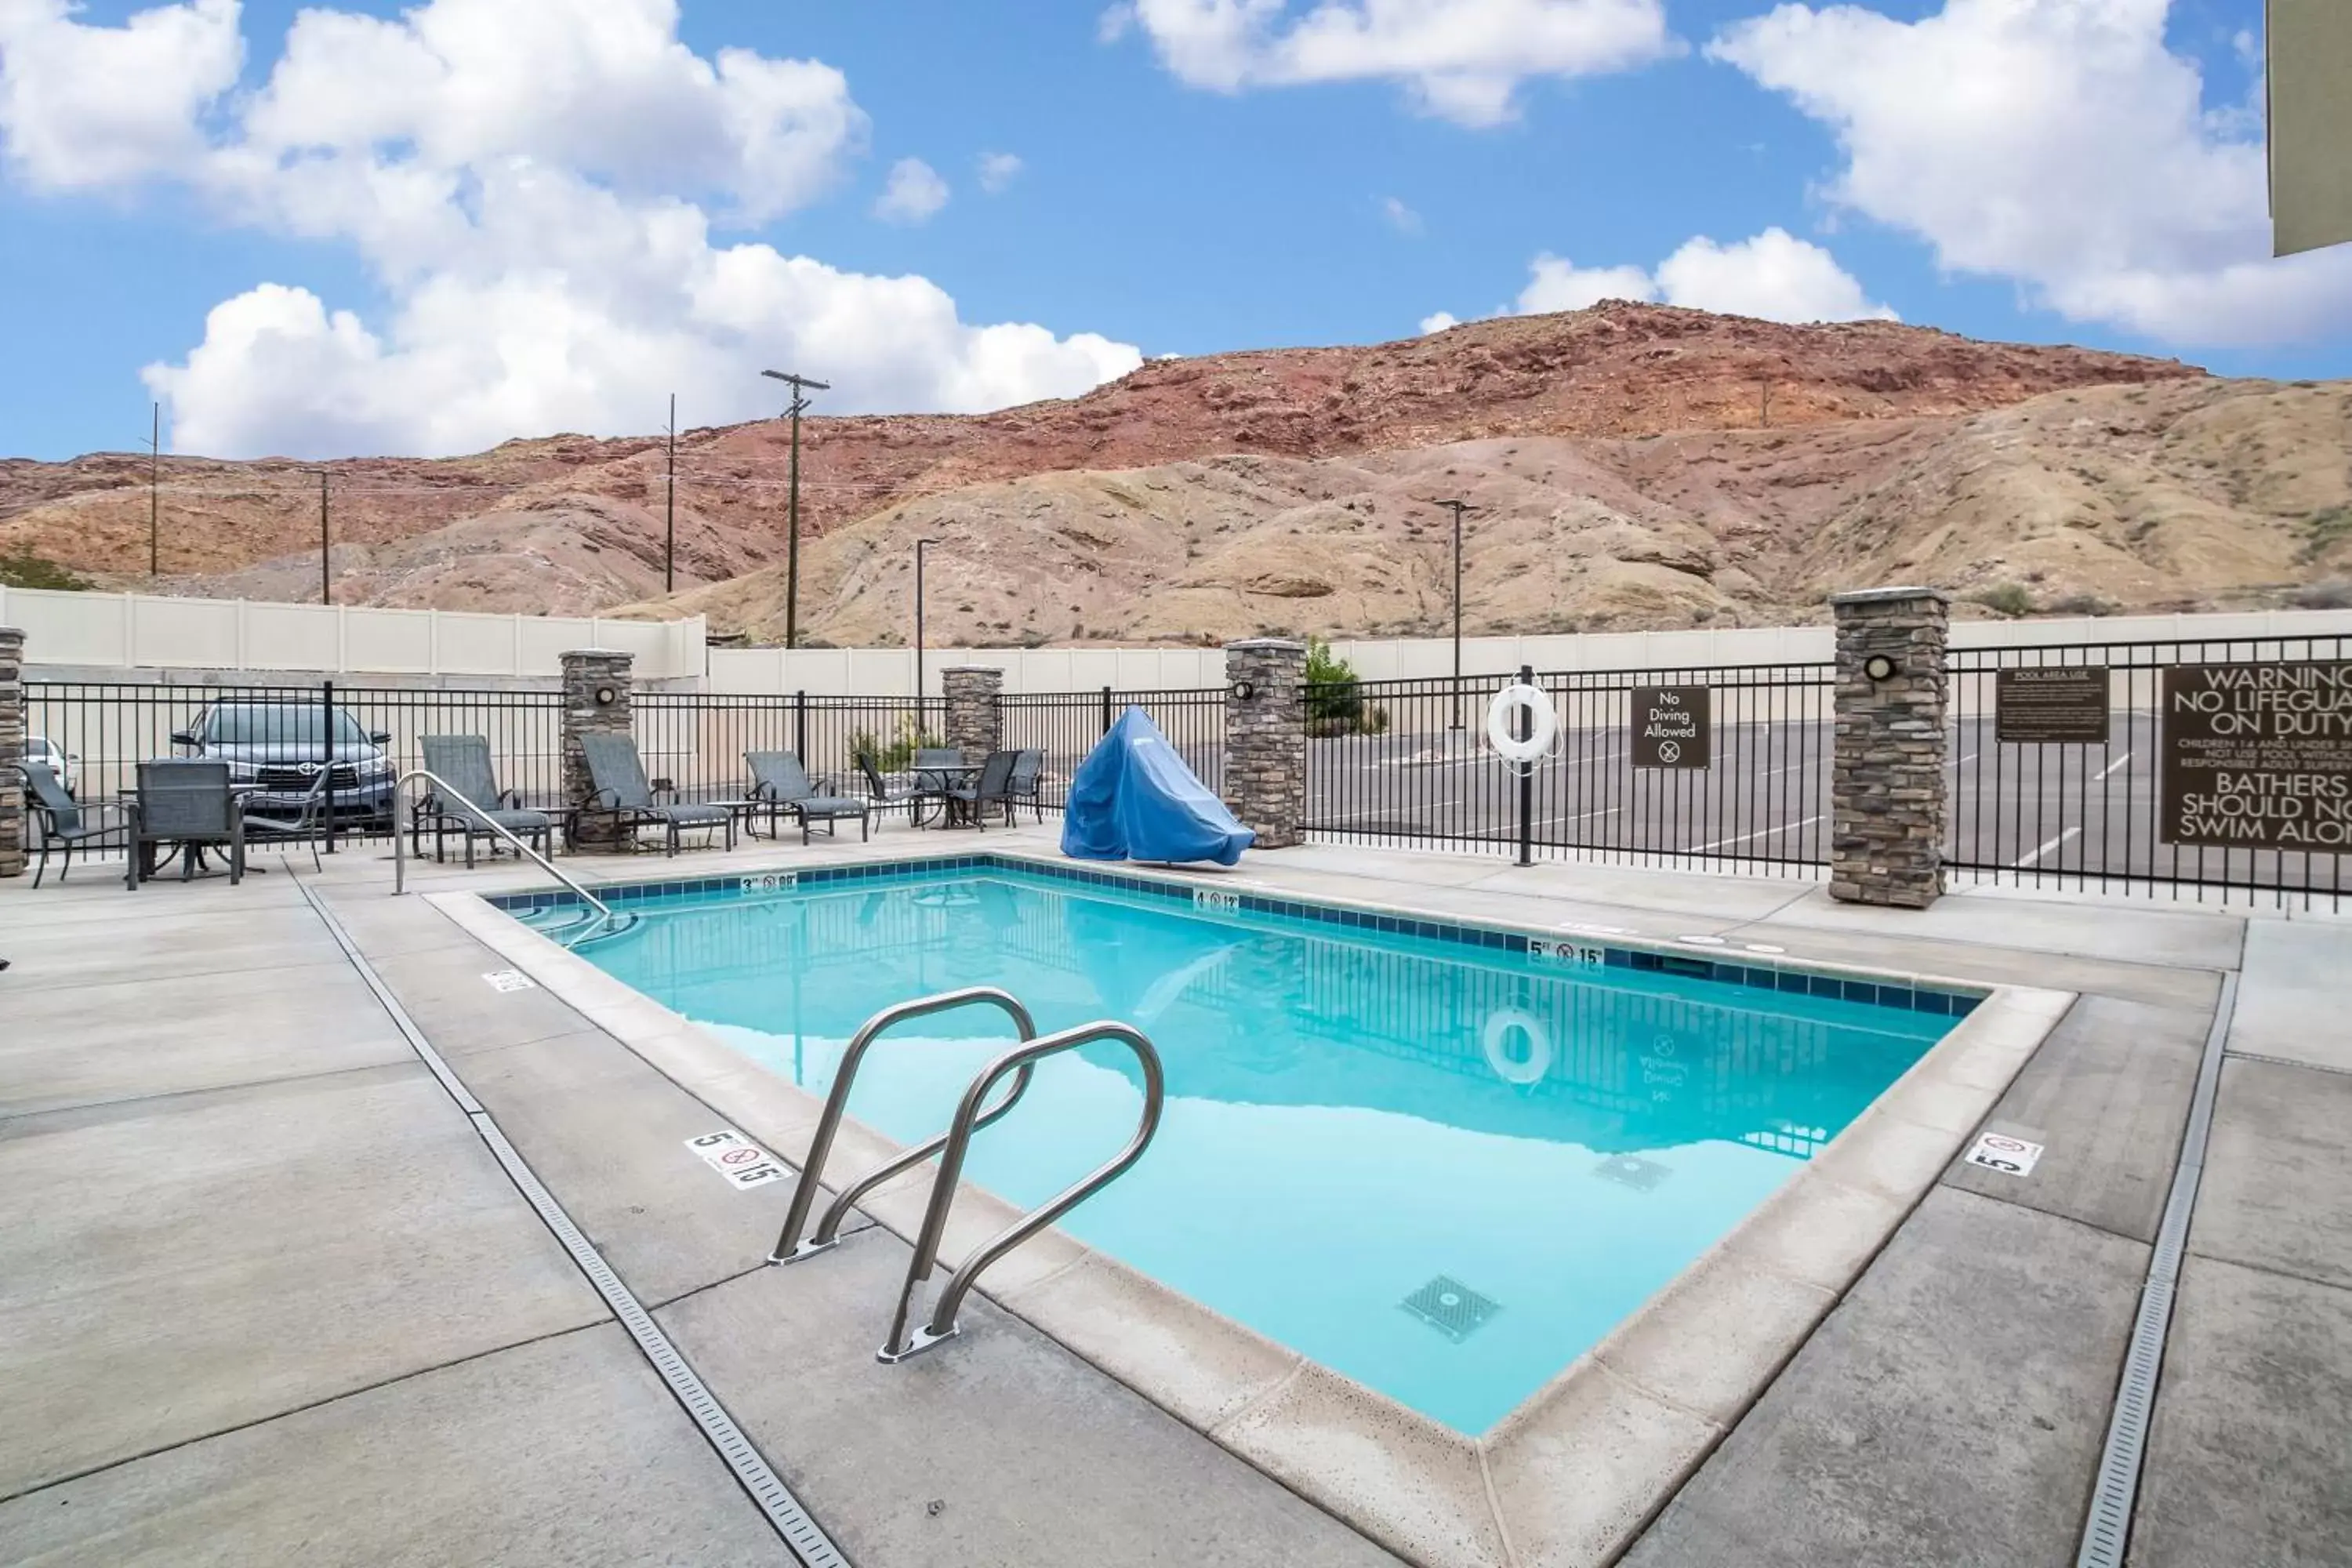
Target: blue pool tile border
1746 974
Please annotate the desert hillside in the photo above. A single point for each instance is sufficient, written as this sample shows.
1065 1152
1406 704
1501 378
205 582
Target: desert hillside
2180 495
572 524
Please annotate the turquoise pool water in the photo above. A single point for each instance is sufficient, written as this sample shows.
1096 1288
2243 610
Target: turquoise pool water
1442 1170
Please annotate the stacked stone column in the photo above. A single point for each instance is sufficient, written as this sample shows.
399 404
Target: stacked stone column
596 702
1266 738
1888 787
12 751
975 697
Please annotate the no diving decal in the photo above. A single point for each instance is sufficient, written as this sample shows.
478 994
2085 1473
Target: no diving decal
743 1163
1999 1151
1672 726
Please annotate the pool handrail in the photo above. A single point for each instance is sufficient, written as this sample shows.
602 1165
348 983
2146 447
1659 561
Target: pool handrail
790 1248
942 1326
604 916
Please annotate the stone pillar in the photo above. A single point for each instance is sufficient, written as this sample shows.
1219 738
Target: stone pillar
1888 789
596 702
12 751
976 698
1266 738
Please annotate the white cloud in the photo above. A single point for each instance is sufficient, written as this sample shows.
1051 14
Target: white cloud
1554 284
1459 60
998 170
2059 143
82 106
1437 322
528 180
1774 275
1401 217
913 193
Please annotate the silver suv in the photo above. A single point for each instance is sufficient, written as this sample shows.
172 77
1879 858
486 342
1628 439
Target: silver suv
278 747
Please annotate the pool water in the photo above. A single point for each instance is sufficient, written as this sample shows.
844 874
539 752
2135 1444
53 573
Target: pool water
1445 1171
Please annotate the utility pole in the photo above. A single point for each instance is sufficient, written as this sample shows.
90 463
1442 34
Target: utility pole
1459 507
919 546
154 467
669 534
800 384
326 587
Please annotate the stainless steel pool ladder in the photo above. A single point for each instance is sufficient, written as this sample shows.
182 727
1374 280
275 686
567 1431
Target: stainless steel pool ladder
605 922
970 1118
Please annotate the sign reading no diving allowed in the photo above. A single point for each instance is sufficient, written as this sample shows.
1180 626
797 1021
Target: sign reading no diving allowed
2258 756
1672 726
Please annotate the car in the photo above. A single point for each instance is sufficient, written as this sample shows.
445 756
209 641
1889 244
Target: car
276 748
62 762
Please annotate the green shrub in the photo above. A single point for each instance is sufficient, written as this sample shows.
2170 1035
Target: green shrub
2005 599
893 755
1334 705
2323 529
29 571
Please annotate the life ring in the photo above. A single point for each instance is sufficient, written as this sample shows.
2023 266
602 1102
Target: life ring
1543 723
1500 1027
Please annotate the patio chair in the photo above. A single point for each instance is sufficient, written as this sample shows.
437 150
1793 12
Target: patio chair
186 803
993 787
884 796
780 783
64 820
1028 773
617 789
474 803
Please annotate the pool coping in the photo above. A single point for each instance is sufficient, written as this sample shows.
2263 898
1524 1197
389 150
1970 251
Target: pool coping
1630 1419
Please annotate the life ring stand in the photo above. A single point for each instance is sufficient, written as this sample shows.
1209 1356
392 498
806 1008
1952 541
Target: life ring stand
1502 715
1496 1039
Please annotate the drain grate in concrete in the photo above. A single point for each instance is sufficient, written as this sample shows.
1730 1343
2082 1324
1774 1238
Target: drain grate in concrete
1452 1308
1632 1170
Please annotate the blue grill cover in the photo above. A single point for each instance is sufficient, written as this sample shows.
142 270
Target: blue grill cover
1134 799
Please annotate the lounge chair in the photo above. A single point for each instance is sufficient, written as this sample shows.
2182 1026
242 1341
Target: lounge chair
463 762
1028 771
66 821
190 803
884 796
617 789
993 787
780 783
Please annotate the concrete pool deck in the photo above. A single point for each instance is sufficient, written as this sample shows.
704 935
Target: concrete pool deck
270 1293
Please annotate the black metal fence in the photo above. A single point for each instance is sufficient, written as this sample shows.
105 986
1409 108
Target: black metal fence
1407 763
2082 813
698 740
1064 725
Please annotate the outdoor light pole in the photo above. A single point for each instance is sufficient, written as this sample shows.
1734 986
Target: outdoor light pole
670 513
920 545
800 384
326 589
1459 507
154 466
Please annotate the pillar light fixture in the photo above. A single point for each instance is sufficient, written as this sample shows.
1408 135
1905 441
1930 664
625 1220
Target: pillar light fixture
1878 667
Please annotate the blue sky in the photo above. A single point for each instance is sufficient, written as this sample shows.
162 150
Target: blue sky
409 252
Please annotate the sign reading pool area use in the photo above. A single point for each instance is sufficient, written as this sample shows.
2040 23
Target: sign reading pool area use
1672 726
743 1163
2053 706
2258 756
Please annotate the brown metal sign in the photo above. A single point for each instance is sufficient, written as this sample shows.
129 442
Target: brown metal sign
2258 756
2053 706
1673 726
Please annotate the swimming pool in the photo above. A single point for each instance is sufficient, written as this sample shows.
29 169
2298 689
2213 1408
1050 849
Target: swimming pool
1425 1156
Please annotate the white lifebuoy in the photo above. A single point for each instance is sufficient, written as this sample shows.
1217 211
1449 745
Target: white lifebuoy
1502 714
1523 1070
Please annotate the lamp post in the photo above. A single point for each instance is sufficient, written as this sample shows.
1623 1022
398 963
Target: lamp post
921 545
154 477
1459 508
669 507
326 582
798 384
